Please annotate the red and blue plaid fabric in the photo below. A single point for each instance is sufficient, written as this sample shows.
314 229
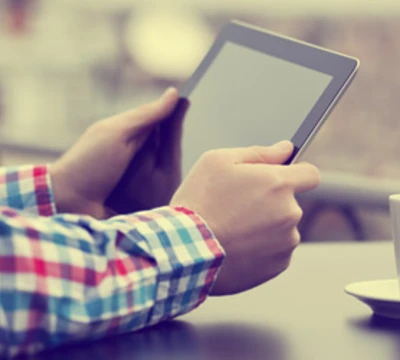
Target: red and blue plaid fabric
66 277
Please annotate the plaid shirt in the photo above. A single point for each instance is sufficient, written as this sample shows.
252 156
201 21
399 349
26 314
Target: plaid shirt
66 277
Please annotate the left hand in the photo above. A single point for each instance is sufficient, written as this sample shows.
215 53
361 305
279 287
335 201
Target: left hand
154 174
87 174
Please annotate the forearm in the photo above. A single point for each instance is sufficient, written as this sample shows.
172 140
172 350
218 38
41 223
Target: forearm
68 277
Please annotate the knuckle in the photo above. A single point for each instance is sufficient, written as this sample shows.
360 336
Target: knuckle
283 264
292 217
296 214
259 152
286 264
284 258
294 240
291 242
277 181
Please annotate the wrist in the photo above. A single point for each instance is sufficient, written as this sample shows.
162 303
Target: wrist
68 200
59 189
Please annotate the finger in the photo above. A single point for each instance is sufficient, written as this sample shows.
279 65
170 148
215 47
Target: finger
149 139
145 158
148 115
140 167
275 154
302 176
171 130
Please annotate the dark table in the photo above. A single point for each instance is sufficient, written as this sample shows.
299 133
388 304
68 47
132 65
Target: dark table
304 314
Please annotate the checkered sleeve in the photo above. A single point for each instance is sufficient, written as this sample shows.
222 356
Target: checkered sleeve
27 188
69 278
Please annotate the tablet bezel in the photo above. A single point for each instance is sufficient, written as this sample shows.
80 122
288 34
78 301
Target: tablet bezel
341 67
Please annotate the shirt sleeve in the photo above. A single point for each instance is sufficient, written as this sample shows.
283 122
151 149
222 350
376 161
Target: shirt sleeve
67 278
27 188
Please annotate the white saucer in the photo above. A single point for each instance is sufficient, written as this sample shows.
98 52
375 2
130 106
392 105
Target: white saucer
382 296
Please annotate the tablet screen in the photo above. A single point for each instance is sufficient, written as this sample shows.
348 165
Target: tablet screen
248 98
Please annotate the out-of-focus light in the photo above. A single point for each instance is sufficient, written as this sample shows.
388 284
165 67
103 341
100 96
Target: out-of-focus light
167 42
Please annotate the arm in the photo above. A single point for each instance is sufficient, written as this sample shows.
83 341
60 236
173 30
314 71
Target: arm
27 188
69 277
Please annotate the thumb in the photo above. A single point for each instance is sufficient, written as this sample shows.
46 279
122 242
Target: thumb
277 154
150 114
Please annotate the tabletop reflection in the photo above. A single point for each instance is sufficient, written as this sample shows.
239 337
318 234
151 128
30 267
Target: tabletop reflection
181 340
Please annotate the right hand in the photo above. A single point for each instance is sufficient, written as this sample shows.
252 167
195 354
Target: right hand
247 197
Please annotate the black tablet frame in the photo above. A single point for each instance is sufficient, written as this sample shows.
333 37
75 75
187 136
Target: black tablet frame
341 67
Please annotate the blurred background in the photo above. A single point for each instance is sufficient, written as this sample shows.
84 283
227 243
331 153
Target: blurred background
67 63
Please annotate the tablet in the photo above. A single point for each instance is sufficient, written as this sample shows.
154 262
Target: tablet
256 87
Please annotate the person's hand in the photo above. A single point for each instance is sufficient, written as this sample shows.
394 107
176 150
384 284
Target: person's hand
86 175
154 174
248 200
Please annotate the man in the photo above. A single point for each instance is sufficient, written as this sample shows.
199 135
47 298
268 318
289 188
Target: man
78 260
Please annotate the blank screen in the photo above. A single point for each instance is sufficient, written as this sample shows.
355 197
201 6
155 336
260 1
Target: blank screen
248 98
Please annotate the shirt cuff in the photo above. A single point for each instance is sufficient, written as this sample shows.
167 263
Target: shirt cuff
188 258
34 187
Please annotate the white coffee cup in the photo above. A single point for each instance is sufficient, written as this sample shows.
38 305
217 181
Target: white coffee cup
394 203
